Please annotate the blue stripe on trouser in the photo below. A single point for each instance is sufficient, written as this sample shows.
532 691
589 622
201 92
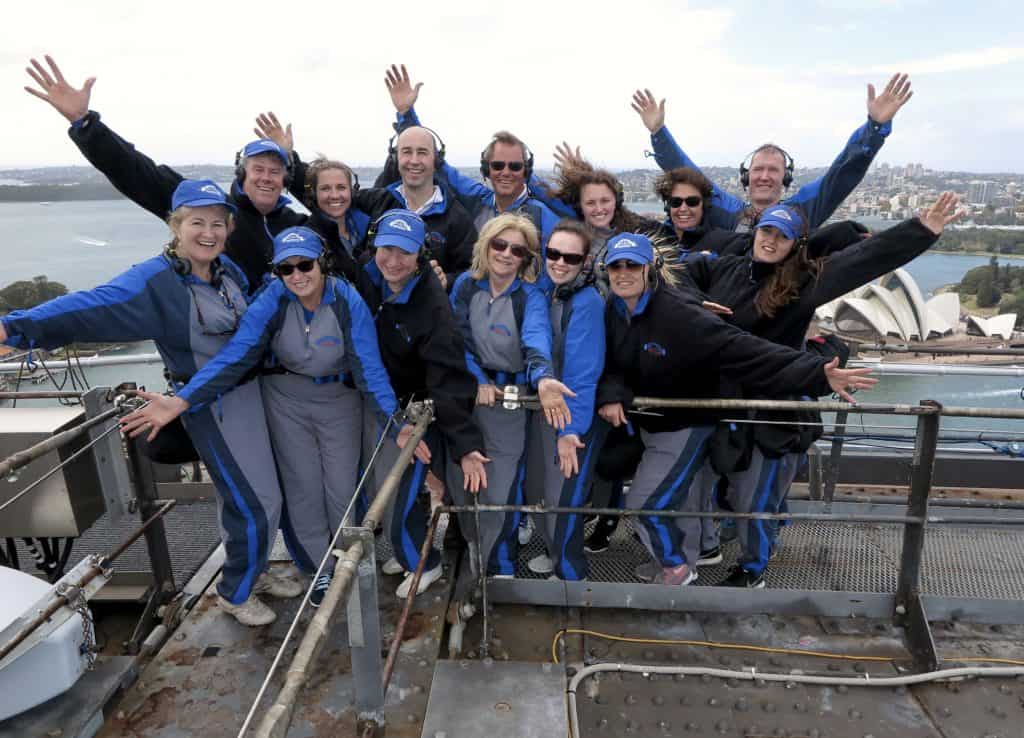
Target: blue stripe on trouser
243 521
670 494
571 563
503 555
755 558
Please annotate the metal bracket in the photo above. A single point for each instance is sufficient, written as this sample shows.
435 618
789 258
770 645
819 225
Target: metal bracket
918 634
111 465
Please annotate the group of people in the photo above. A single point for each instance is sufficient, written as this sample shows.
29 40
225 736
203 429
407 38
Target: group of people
292 341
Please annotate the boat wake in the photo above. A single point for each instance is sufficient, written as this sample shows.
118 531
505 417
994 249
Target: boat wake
987 393
91 241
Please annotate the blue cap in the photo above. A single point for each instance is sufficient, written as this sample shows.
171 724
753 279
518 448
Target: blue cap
265 146
198 193
297 241
401 228
786 219
634 247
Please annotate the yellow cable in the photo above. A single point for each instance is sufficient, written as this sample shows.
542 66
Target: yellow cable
982 660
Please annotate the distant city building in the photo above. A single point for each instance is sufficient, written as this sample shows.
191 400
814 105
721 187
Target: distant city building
981 192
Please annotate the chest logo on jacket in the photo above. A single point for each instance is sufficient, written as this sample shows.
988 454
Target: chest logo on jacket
501 329
655 349
328 341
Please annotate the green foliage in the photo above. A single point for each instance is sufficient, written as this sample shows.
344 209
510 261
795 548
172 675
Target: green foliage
983 240
29 293
1014 304
988 295
998 279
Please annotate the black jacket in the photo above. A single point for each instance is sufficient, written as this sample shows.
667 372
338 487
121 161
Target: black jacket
672 347
422 349
140 179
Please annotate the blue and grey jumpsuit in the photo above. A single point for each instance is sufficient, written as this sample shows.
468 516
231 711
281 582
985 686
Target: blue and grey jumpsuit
508 342
578 340
190 321
323 362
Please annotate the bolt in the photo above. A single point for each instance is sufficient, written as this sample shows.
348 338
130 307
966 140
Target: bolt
631 726
775 661
768 707
705 678
859 667
630 699
712 702
441 734
946 712
724 660
692 726
733 682
417 689
602 723
649 655
722 726
800 707
658 700
842 689
411 718
1004 689
901 609
679 677
665 727
741 705
855 714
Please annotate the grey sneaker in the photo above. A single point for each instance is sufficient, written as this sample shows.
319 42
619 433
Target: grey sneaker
678 576
541 564
252 612
391 566
647 572
277 587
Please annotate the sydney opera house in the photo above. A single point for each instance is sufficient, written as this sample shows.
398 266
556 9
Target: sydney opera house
893 308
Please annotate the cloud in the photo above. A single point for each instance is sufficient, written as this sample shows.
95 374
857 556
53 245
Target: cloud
960 61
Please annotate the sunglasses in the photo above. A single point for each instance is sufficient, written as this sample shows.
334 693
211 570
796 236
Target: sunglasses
285 270
513 166
629 266
500 244
691 202
570 259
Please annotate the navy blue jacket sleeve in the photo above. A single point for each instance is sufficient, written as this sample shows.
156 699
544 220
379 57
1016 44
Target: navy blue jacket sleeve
820 198
583 358
361 346
535 334
134 174
243 352
541 191
123 309
460 308
669 155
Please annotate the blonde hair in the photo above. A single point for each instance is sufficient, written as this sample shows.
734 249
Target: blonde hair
505 222
177 217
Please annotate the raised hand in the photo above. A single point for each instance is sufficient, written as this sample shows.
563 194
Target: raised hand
403 93
651 112
566 158
72 103
474 476
942 212
841 380
552 394
267 126
883 108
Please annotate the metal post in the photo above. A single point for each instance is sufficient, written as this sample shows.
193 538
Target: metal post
364 638
156 544
909 609
835 455
108 456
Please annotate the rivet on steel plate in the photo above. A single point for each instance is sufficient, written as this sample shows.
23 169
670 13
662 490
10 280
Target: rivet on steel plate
503 707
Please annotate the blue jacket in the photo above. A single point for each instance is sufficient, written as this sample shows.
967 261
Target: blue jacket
818 199
479 200
508 338
359 357
149 301
577 326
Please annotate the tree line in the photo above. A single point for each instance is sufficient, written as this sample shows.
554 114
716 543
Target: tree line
995 285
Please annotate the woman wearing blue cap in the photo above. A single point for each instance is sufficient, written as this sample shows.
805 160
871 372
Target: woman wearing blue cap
773 291
425 356
504 321
661 342
323 356
189 301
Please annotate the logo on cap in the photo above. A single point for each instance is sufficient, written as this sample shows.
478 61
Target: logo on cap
780 213
212 189
293 238
625 244
400 225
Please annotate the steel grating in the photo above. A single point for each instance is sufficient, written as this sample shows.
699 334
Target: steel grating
958 561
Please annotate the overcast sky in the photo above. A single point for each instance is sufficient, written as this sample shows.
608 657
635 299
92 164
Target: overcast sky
184 80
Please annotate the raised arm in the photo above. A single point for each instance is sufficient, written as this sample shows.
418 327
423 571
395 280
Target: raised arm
268 126
566 159
821 197
134 174
670 155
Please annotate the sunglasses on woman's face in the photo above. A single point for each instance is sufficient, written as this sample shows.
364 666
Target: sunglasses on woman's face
630 266
513 166
285 270
691 202
500 244
570 259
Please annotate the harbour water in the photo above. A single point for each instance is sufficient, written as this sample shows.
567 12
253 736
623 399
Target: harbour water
82 244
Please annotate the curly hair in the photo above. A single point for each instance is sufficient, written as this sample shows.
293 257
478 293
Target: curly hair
569 184
507 221
317 167
684 175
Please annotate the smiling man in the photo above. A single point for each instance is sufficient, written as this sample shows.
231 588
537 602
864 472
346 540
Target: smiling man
261 173
768 170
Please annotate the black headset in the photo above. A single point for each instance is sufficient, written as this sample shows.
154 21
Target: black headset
485 163
439 147
307 186
585 278
183 267
787 177
240 168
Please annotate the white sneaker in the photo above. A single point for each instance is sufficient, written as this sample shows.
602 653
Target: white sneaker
426 579
277 587
541 564
391 566
525 532
252 612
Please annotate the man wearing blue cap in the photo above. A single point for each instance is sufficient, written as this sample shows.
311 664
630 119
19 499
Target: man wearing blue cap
663 343
425 356
261 173
768 170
